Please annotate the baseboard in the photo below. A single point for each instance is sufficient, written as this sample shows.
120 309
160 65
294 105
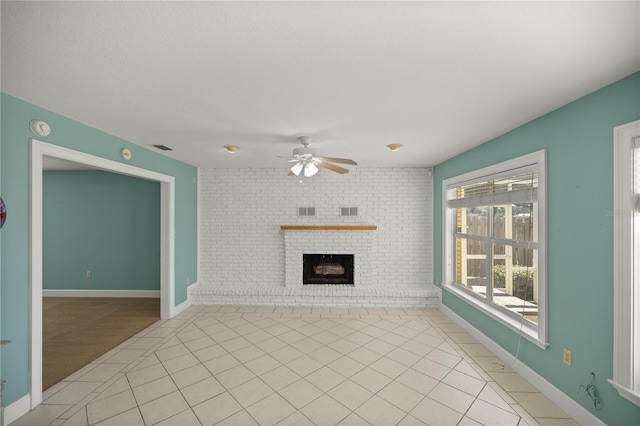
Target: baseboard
191 288
571 407
181 307
101 293
17 409
184 305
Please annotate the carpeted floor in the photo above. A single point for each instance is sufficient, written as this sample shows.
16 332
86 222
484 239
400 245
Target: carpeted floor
77 330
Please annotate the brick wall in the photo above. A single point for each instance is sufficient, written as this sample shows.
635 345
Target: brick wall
241 210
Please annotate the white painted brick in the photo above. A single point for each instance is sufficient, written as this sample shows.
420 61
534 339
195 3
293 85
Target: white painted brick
242 246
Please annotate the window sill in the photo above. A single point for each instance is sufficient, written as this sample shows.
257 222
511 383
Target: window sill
626 393
528 330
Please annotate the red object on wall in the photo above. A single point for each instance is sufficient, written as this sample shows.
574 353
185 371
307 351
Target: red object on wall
3 213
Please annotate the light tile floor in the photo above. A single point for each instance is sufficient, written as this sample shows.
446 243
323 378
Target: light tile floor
297 366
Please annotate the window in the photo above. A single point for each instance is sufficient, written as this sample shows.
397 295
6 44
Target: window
494 242
626 261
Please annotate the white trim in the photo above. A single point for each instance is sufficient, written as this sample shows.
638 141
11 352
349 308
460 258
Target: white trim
35 275
101 293
181 307
187 303
16 409
571 407
529 331
41 149
500 170
167 246
626 393
537 335
198 216
626 291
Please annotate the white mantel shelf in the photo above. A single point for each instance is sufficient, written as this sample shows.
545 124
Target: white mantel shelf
328 227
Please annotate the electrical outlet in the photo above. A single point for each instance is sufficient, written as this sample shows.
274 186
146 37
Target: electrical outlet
566 356
88 274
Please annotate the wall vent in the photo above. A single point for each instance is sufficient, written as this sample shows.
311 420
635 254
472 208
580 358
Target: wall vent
306 211
348 211
162 147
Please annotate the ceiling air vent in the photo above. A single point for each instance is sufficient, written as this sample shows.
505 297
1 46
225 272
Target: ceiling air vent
162 147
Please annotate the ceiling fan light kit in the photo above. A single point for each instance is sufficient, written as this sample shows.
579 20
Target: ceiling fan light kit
306 161
310 169
297 168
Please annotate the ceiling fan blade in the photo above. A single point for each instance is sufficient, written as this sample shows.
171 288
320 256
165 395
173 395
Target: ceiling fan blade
338 160
333 167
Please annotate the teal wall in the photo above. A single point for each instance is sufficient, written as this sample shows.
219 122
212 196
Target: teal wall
579 142
14 178
105 223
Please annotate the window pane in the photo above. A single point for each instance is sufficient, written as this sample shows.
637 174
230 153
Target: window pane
471 264
473 220
523 222
500 219
515 284
515 221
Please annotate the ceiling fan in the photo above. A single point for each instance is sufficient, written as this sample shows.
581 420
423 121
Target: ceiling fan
307 163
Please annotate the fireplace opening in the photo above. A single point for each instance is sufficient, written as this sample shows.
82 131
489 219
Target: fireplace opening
327 269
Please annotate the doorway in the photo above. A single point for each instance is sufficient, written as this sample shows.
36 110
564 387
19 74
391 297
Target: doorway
40 150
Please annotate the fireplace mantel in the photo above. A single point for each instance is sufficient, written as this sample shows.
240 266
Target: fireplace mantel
328 227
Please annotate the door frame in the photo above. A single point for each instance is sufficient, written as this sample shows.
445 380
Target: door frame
39 150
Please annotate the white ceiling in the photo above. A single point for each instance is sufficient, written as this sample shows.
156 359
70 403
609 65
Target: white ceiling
439 77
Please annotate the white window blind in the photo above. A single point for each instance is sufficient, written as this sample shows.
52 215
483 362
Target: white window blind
517 188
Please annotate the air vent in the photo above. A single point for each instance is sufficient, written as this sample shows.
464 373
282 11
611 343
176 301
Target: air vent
162 147
306 211
348 211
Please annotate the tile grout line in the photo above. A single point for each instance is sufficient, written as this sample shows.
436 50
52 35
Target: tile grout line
226 316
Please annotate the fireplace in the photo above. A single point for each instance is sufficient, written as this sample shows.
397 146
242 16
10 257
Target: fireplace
353 240
327 269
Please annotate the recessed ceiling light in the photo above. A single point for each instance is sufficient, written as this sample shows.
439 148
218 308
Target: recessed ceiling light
395 146
231 148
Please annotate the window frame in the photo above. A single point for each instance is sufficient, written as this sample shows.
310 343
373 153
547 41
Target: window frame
537 334
626 265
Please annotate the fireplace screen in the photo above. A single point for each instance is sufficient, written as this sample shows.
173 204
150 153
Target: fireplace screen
327 269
